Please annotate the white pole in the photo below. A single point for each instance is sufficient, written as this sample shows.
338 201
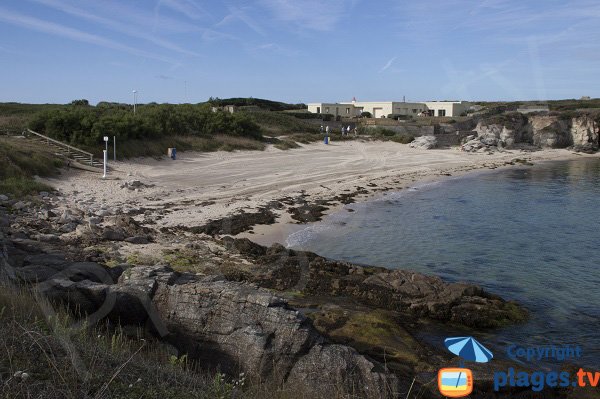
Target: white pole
134 100
105 156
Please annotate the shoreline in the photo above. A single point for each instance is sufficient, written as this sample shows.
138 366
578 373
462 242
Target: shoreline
280 231
203 187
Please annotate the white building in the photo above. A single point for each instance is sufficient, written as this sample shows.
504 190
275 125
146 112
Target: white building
381 109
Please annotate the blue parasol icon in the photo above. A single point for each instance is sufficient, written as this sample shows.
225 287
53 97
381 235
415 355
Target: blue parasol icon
469 349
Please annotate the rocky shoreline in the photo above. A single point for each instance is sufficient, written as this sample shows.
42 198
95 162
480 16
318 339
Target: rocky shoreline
233 305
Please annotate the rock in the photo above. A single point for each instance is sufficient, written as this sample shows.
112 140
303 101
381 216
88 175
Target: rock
424 142
350 368
226 325
549 131
67 217
585 134
137 240
135 183
104 213
20 205
44 194
587 148
94 220
51 238
3 198
67 228
113 235
4 221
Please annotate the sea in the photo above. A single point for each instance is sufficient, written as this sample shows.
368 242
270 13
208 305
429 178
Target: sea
529 234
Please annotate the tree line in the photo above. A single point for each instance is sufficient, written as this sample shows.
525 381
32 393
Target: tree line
79 123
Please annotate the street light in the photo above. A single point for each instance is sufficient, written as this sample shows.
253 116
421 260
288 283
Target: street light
134 100
105 155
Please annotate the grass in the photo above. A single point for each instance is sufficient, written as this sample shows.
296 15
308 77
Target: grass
102 362
20 161
278 123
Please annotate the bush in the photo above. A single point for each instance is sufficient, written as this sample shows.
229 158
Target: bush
366 114
399 116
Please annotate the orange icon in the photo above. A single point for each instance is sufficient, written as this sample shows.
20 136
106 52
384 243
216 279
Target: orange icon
455 382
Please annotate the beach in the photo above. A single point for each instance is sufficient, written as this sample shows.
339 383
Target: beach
199 187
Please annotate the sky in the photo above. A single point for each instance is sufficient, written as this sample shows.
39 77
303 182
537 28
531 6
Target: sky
176 51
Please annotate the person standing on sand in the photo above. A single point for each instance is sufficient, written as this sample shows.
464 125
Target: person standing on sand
343 130
348 131
327 130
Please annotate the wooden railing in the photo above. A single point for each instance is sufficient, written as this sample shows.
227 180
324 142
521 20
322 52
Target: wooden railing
69 148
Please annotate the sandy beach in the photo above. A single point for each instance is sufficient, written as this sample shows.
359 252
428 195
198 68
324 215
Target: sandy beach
199 187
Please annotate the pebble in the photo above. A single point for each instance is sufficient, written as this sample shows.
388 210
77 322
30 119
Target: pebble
3 197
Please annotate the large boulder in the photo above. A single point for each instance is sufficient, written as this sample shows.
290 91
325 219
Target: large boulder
585 134
227 325
550 131
424 142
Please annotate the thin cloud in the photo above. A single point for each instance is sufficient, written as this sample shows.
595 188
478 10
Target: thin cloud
52 28
314 15
237 14
388 64
112 24
185 7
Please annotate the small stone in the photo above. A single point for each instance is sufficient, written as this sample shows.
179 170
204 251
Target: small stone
51 238
44 194
94 220
137 240
113 235
3 198
104 212
19 205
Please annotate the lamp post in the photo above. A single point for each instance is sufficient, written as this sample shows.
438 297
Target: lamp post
134 100
105 155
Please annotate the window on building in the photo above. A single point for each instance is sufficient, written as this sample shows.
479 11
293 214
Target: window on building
347 111
441 112
327 110
414 110
318 110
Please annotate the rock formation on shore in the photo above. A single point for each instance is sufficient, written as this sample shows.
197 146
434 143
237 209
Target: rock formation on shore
581 132
230 315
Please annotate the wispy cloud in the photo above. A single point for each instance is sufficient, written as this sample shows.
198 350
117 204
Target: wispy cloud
388 64
188 8
239 14
314 15
275 49
55 29
113 24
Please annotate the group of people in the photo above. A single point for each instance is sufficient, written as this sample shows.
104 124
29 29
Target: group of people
344 130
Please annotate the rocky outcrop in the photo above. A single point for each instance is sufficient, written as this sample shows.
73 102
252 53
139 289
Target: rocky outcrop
225 325
541 130
424 142
405 291
549 131
585 134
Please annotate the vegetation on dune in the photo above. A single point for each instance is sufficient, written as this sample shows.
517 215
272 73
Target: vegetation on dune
256 102
277 123
84 125
19 162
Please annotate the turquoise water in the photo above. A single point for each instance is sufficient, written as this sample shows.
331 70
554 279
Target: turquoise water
528 234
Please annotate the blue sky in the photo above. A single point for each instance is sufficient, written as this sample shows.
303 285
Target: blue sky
297 50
